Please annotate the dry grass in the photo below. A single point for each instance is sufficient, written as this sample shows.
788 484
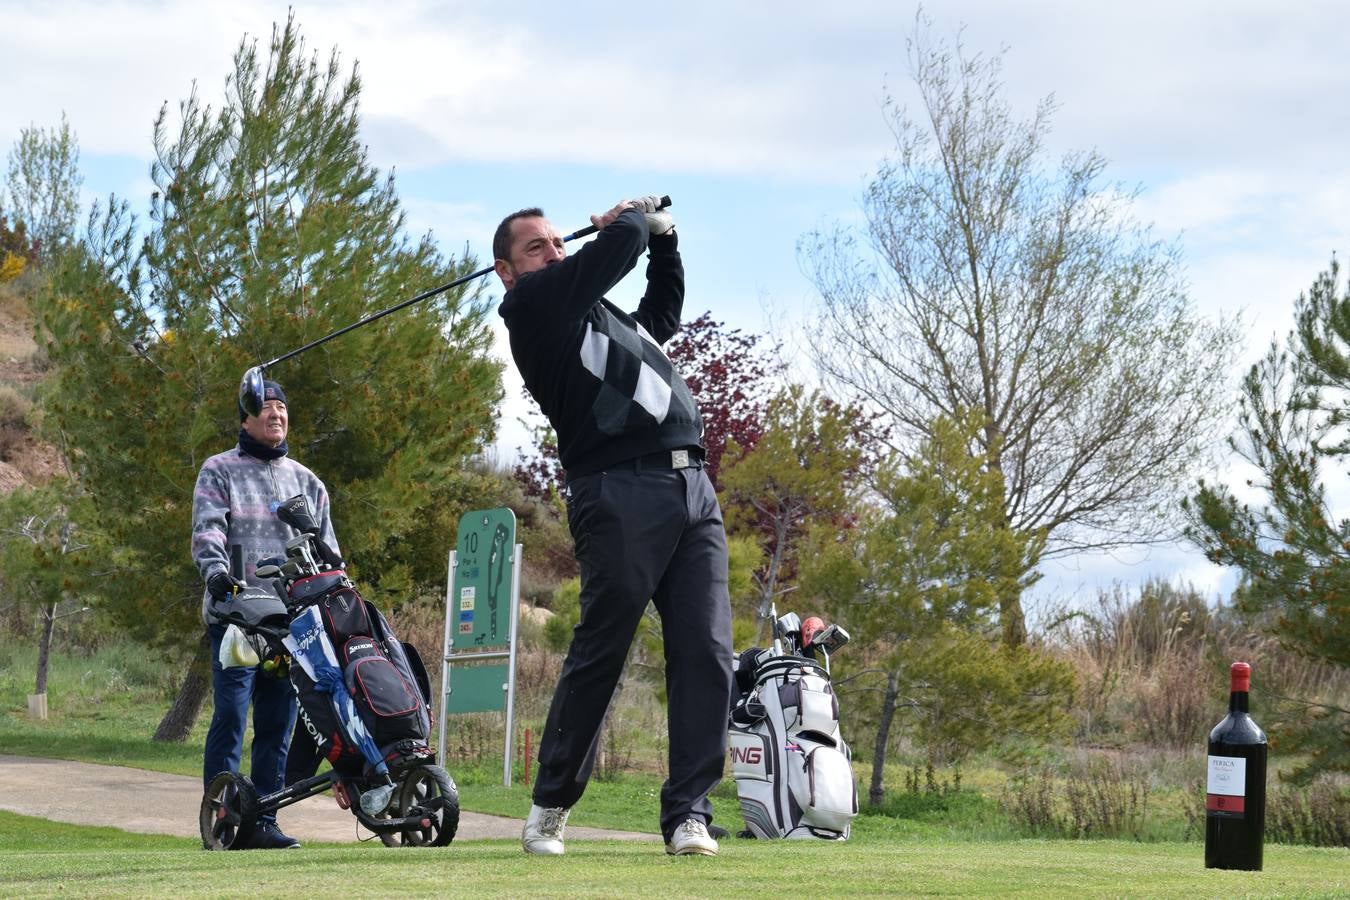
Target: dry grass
14 405
1100 796
1152 667
1318 814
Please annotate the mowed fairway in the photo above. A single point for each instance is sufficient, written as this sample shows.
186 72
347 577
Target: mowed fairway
41 859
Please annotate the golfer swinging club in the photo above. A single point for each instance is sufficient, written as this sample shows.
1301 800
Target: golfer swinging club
644 518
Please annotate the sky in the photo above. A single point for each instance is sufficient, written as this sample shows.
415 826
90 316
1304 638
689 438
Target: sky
763 122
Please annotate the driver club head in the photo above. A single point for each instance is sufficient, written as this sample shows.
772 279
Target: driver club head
251 392
831 639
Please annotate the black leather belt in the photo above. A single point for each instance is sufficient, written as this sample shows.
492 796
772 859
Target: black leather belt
682 458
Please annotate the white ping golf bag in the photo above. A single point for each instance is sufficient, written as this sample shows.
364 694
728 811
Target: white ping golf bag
792 768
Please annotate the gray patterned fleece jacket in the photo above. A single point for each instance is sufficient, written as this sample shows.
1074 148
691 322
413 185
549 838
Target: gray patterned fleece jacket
234 505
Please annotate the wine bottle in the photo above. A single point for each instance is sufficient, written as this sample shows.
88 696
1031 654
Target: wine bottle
1235 795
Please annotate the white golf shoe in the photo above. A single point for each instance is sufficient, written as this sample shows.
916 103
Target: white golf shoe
543 833
691 838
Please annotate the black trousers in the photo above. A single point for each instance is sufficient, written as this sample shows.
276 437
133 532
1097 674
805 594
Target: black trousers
643 534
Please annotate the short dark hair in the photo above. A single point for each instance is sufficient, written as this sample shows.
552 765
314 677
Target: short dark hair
501 240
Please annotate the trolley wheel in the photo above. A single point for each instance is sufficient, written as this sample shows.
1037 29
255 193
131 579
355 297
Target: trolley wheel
229 812
431 791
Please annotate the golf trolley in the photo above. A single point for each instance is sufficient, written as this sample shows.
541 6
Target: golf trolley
793 771
363 695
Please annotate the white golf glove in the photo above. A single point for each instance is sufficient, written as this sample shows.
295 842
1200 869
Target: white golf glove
659 221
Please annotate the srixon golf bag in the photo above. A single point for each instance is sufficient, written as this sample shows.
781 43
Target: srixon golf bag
364 699
792 768
342 635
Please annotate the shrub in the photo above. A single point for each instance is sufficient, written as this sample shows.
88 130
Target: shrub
11 266
14 406
1105 798
1318 814
1174 708
1029 801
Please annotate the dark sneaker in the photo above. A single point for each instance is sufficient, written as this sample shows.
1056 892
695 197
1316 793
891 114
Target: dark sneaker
270 837
717 832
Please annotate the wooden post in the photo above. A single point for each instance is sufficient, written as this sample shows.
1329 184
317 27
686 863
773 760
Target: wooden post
37 706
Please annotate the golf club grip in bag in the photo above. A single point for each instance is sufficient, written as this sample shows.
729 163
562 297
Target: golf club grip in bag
793 771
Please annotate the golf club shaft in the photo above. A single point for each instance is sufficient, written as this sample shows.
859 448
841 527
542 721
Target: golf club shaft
425 295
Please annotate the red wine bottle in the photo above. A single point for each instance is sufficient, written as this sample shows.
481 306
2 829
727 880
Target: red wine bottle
1235 795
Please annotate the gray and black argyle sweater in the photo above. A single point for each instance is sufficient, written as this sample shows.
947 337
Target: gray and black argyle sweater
598 373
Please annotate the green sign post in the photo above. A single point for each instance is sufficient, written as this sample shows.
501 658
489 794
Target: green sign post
482 583
481 610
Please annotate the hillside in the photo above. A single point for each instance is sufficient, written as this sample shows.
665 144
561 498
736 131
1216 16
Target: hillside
23 458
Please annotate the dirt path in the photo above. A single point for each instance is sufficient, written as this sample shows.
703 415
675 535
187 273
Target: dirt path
155 803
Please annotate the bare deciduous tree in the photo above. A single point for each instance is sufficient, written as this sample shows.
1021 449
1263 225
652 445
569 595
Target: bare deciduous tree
987 278
44 184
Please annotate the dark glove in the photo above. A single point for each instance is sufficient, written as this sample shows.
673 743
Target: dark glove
223 585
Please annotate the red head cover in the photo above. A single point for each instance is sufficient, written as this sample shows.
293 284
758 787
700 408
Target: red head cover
813 626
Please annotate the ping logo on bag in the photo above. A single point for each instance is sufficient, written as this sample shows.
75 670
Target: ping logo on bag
749 756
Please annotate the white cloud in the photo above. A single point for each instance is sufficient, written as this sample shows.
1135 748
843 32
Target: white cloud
1206 200
445 84
707 86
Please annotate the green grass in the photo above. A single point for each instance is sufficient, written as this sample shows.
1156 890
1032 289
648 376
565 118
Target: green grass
42 859
106 705
103 708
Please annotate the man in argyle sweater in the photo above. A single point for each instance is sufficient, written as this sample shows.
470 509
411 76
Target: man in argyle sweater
644 518
234 525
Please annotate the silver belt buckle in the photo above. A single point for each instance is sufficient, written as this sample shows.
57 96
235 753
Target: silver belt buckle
679 459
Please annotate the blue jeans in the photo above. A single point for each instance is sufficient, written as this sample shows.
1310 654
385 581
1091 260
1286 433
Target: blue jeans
273 718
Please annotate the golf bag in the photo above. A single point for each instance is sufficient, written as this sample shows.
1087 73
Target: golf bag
364 699
342 638
793 771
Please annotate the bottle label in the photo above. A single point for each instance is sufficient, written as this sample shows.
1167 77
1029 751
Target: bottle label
1225 793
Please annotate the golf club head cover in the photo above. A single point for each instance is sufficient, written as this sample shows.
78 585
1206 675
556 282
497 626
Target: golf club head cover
659 220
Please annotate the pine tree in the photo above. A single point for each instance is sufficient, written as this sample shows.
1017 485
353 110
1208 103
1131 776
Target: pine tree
1294 550
268 228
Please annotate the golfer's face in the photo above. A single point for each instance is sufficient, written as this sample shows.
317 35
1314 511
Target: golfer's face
535 243
269 426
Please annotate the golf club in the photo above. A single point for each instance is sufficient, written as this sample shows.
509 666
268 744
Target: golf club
251 385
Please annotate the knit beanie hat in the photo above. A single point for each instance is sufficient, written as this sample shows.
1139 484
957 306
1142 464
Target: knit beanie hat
271 391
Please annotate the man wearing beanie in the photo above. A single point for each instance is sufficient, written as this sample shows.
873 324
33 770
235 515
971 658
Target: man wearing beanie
234 525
